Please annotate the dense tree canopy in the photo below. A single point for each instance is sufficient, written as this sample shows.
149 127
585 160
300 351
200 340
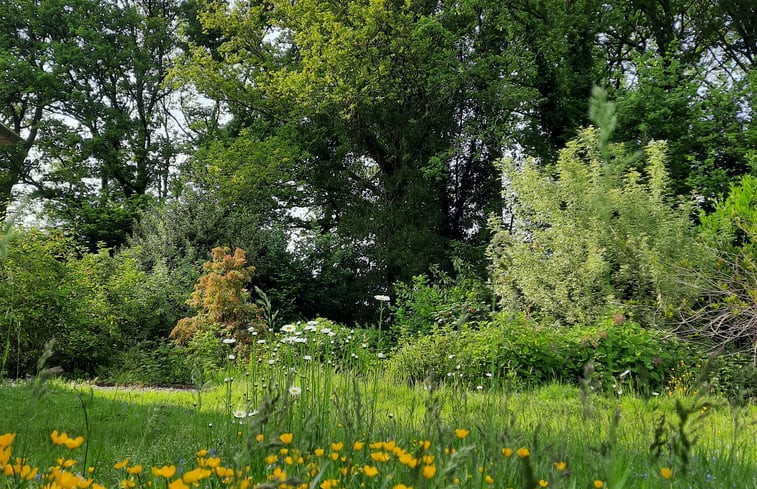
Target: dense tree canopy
348 145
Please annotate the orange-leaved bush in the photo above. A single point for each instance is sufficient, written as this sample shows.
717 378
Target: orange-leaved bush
221 299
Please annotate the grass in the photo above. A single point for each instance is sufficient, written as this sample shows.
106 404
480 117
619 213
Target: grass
602 441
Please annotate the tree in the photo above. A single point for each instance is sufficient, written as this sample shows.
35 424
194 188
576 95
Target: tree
680 71
28 88
222 300
397 112
89 76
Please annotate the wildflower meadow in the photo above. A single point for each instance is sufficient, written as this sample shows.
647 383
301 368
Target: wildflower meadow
318 408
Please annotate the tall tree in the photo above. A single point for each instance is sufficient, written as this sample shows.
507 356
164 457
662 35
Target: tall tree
94 80
398 109
28 88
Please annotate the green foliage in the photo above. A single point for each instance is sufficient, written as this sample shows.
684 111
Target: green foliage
439 301
732 226
709 134
221 299
93 304
151 362
595 234
516 349
726 311
38 299
321 341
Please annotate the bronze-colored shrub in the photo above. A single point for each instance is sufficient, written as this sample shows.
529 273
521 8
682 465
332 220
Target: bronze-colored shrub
221 299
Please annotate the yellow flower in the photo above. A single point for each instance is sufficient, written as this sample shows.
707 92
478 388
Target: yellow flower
259 437
370 471
523 452
57 438
72 443
489 480
598 484
461 433
334 456
6 440
137 469
178 484
123 463
279 474
337 446
543 483
358 445
402 486
405 458
84 483
202 452
666 472
380 456
319 452
288 460
507 452
270 459
5 455
560 466
329 484
196 475
127 483
377 445
286 438
213 462
166 471
63 462
429 471
424 444
28 473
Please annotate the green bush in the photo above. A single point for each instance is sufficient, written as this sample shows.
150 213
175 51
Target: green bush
93 304
41 297
439 301
726 310
508 348
158 362
595 234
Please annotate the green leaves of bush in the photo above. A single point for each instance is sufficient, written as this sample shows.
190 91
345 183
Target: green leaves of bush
514 348
593 234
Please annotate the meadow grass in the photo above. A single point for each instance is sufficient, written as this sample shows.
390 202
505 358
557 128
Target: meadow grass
281 425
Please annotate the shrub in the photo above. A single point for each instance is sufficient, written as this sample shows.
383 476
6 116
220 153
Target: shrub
510 347
726 311
439 300
592 235
222 300
93 304
42 296
324 341
157 362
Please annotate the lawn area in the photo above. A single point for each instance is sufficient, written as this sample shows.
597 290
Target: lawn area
318 428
